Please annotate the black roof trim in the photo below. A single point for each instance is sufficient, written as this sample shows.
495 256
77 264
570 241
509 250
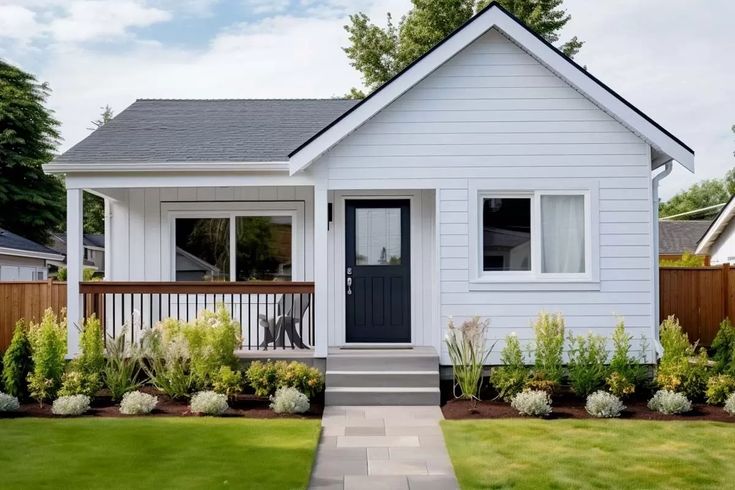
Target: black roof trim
469 21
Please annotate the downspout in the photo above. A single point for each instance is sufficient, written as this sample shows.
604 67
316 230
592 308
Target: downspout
657 313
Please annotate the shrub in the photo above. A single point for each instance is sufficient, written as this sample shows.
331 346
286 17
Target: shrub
670 402
511 378
626 372
48 351
227 382
730 404
122 369
70 405
719 387
137 403
289 400
587 358
681 369
534 403
267 377
17 363
723 348
209 403
168 359
91 359
604 405
212 339
8 403
467 351
549 333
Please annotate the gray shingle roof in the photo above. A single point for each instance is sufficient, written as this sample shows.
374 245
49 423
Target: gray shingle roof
16 242
235 130
676 237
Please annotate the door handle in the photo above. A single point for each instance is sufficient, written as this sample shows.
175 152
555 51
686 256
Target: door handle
349 286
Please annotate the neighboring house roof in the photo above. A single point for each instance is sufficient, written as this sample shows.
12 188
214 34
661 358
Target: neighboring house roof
247 130
715 229
90 240
676 237
665 145
13 244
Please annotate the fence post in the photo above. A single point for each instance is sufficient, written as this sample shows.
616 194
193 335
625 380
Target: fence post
726 289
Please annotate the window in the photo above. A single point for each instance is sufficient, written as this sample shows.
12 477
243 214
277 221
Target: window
203 249
263 248
533 234
378 236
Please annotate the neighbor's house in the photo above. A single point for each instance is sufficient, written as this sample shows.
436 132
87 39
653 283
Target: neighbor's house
718 240
676 237
22 259
492 177
94 250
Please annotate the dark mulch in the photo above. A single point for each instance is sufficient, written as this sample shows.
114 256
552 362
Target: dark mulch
567 406
247 405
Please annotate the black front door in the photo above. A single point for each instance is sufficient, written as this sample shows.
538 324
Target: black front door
378 271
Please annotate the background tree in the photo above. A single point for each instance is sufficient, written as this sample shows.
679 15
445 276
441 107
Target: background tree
379 53
94 206
700 195
32 203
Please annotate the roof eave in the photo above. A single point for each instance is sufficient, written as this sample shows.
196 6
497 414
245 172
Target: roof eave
186 166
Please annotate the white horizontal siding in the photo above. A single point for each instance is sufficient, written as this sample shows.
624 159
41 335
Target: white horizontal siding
493 113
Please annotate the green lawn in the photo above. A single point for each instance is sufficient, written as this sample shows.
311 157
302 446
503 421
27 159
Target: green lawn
140 453
619 454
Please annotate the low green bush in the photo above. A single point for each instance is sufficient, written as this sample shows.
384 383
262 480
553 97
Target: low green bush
626 373
681 368
723 348
212 339
48 351
17 363
548 369
510 378
587 359
227 382
265 377
719 387
84 374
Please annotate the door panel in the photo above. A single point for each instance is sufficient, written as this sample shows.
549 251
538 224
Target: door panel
378 271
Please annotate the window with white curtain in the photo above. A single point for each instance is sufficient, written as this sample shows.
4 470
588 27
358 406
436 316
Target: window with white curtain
539 233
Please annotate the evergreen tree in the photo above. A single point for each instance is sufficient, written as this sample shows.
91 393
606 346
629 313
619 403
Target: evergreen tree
94 206
380 53
32 202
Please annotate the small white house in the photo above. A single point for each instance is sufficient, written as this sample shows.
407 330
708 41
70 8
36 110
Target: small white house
718 240
492 177
22 259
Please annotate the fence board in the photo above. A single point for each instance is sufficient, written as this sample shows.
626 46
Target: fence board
27 300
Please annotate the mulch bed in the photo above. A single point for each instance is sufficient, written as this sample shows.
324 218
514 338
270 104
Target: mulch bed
248 406
567 406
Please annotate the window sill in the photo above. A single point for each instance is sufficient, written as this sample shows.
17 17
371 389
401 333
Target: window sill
533 284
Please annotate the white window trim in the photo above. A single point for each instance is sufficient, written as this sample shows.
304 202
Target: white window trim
534 279
231 210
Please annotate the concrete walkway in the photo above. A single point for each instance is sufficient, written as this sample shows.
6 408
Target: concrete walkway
382 447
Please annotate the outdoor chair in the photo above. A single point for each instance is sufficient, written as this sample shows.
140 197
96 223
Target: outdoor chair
290 311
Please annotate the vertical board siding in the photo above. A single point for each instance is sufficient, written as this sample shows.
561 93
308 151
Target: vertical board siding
494 113
28 301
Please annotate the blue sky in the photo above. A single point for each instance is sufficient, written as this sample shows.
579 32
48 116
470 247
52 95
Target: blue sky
672 59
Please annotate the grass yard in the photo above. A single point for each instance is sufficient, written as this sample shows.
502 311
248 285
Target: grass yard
139 453
620 454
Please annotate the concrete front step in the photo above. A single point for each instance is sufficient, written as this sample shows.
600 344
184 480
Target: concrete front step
385 379
380 361
381 396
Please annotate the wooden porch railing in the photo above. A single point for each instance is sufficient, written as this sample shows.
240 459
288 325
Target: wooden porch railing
272 315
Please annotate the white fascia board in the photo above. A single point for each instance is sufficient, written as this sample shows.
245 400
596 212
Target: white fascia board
716 228
31 254
116 167
556 62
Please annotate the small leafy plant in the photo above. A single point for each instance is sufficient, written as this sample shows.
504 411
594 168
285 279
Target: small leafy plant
723 348
289 400
209 403
212 339
670 402
510 378
267 376
71 405
467 351
8 403
227 382
730 404
681 369
602 404
625 373
17 363
548 367
534 403
122 370
48 348
137 403
719 388
84 374
168 361
587 358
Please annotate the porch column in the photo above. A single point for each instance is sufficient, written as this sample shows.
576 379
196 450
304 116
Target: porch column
74 257
321 272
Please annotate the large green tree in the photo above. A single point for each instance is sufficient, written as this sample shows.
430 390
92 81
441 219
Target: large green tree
379 53
700 195
31 202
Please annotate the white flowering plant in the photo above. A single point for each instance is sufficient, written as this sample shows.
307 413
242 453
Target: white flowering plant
137 403
602 404
209 403
670 402
535 403
71 405
289 400
730 404
8 403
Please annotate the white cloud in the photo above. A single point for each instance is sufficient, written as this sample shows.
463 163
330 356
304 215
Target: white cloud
264 7
100 19
18 23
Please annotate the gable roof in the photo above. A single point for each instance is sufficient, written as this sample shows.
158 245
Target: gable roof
235 130
717 227
13 244
666 146
58 241
677 237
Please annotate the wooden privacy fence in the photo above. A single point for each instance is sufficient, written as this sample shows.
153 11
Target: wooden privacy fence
699 297
27 300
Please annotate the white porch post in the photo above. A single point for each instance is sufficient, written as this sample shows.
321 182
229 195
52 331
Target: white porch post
74 257
321 272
